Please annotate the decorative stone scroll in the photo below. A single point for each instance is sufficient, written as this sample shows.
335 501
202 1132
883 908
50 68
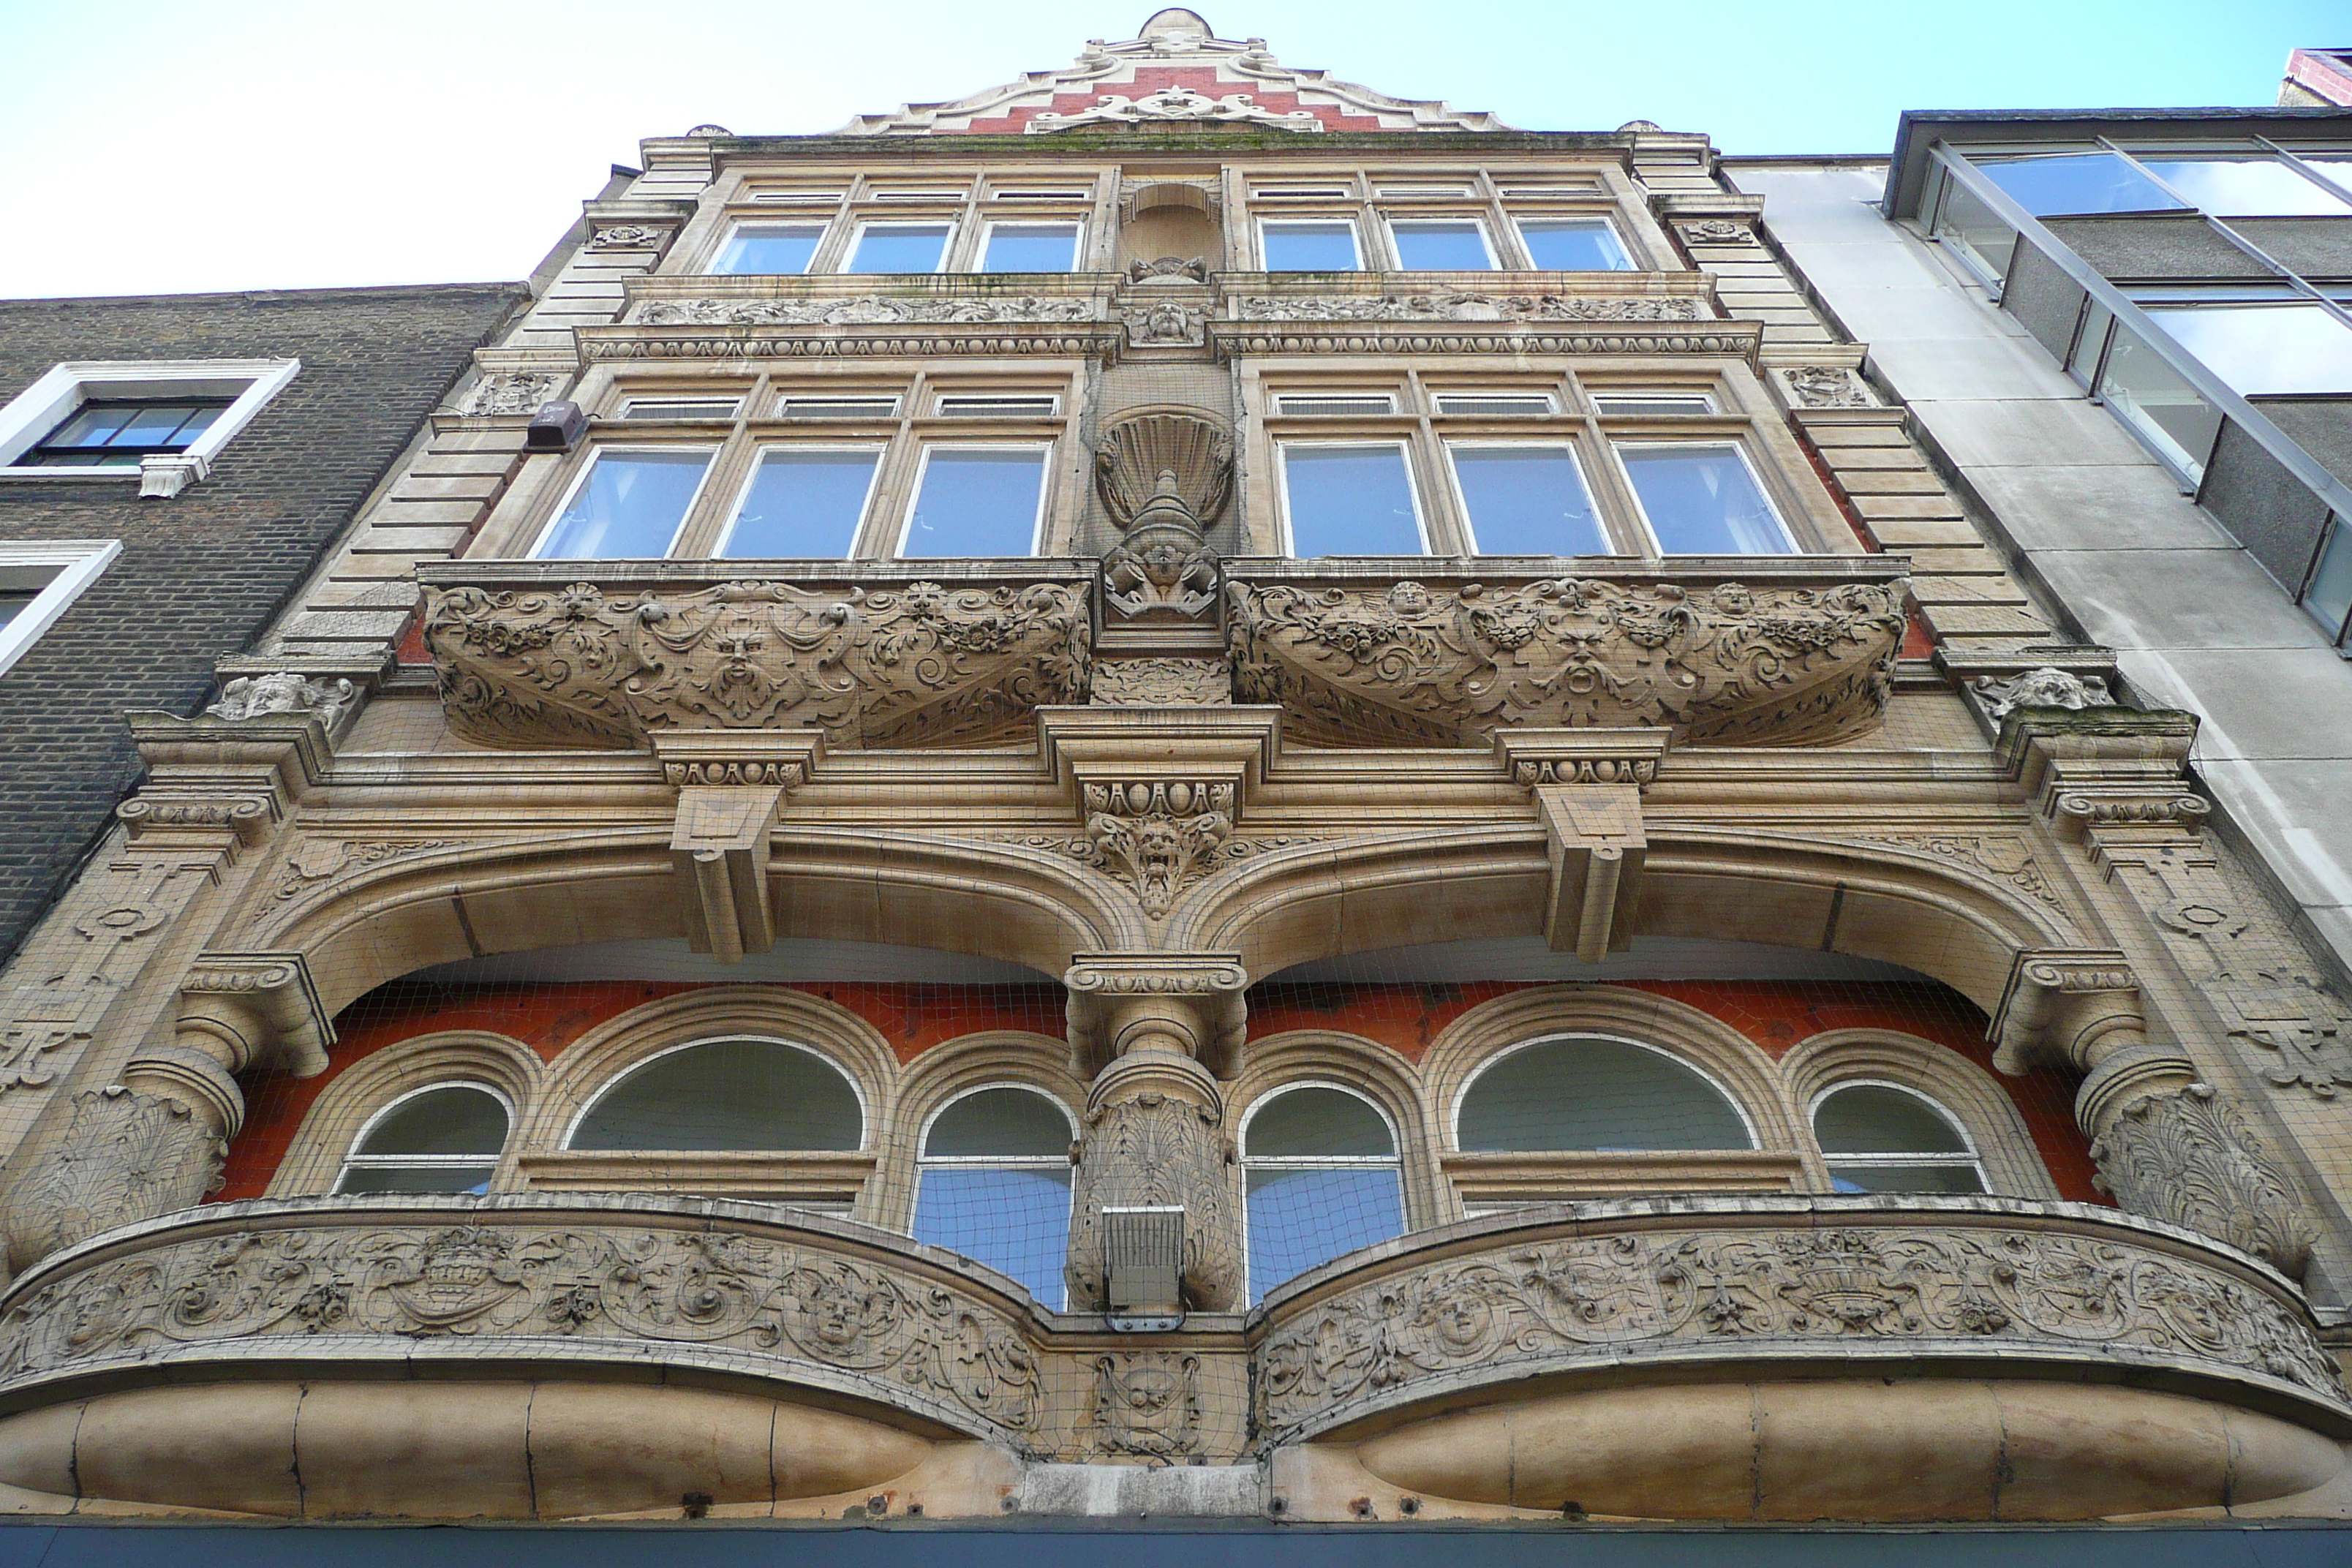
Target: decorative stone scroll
1414 665
2004 1285
1174 105
1825 387
1161 683
1147 1402
316 1282
1467 307
870 667
871 310
519 391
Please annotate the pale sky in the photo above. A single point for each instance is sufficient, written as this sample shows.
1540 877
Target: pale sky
164 148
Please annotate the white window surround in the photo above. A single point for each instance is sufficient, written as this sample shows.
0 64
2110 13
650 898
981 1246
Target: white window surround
760 457
70 564
1044 451
1314 220
41 407
580 480
1282 450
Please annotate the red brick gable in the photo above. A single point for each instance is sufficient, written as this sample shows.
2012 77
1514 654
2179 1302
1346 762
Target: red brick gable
1152 78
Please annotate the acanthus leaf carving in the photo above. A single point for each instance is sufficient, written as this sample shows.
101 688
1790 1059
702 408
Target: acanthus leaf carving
123 1156
1154 1151
315 860
574 666
1161 682
1157 834
871 310
2180 1157
1998 856
1421 665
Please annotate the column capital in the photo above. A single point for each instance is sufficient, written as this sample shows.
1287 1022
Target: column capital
256 1010
1194 997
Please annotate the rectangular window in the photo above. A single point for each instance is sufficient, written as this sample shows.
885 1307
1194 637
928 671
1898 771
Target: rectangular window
1325 246
1704 501
800 198
1040 194
159 422
1423 192
1979 234
968 405
117 433
1654 403
1443 245
39 580
1293 403
628 506
874 407
681 408
900 247
766 249
1299 193
2063 184
976 501
1031 248
2157 403
2264 349
1525 500
1497 403
803 503
1350 501
2328 600
1574 244
2246 187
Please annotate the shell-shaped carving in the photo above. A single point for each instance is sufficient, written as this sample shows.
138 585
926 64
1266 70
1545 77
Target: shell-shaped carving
1135 453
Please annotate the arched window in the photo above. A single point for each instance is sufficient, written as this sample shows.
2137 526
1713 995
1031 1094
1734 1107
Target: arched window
993 1183
1319 1177
726 1094
1590 1092
445 1139
1880 1138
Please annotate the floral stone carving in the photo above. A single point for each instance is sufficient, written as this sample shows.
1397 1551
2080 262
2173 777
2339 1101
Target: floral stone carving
871 310
899 1338
1154 832
1466 308
898 667
1982 1289
125 1156
2179 1158
1147 1402
1421 666
1173 104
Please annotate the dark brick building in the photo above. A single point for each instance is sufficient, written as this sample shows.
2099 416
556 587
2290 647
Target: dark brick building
201 572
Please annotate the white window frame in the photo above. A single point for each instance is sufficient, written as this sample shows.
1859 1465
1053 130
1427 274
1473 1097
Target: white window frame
1617 448
736 230
49 402
1486 240
1559 442
353 1159
1972 1160
1392 1161
1078 238
1519 221
79 562
1044 449
1461 1095
857 237
1282 446
925 1161
570 491
1705 400
1355 234
612 1079
881 450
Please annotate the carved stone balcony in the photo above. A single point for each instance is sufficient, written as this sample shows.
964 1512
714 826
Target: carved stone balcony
1752 651
608 654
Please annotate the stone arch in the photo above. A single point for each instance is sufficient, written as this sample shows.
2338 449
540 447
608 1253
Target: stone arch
1983 1108
978 1061
1371 1069
315 1157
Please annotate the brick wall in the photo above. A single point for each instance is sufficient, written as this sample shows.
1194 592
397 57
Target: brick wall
201 573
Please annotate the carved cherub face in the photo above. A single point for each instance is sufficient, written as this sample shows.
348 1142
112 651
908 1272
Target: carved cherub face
280 693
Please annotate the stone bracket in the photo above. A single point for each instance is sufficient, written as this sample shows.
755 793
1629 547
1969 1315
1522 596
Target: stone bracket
732 784
1588 788
1111 993
2059 1002
252 1011
1102 746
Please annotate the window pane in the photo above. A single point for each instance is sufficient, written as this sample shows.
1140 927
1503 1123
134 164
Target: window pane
1869 1120
803 504
13 605
2330 597
453 1121
1350 501
1976 228
1702 500
2265 348
1016 1221
976 501
901 248
415 1179
1905 1179
2245 187
999 1121
152 425
1311 247
1596 1094
629 508
2063 183
2155 400
1300 1218
1441 248
1316 1122
1575 245
1528 501
92 426
199 421
770 249
728 1094
1032 248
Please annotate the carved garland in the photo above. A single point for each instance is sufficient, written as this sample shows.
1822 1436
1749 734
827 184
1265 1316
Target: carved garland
871 310
1467 307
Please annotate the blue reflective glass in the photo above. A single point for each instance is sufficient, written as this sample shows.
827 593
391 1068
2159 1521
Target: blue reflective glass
1032 248
803 504
976 501
2246 187
770 249
1350 501
1311 247
1016 1221
900 247
1528 501
1702 500
2260 349
1576 245
1299 1219
1456 247
628 510
2329 598
2073 183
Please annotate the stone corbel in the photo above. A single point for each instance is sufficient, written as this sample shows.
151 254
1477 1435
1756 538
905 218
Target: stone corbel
2104 767
1586 785
215 783
730 787
2059 1003
1190 1003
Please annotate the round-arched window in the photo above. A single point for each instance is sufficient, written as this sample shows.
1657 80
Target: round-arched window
1319 1178
445 1138
726 1094
1591 1092
993 1183
1881 1138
